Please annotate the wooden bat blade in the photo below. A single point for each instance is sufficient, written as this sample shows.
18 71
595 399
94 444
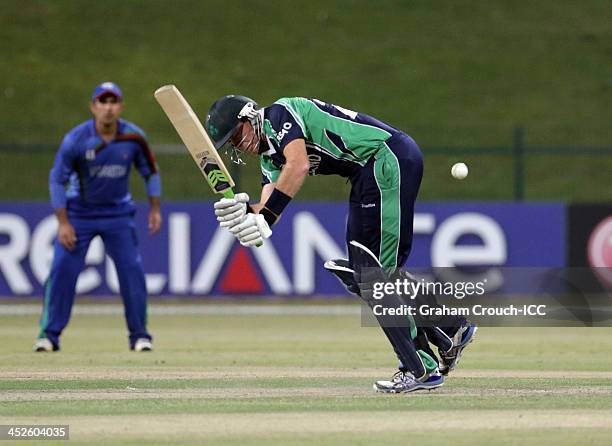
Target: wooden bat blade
195 138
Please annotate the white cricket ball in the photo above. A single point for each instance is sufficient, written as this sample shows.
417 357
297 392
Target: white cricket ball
459 171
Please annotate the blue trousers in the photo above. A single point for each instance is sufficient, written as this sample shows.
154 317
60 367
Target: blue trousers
121 244
383 193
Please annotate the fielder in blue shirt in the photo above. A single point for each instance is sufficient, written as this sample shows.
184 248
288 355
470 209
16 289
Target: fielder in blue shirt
89 187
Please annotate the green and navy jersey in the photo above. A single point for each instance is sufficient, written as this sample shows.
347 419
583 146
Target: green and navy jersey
338 141
90 177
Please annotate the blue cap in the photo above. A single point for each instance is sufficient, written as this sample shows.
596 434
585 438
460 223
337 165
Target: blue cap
107 88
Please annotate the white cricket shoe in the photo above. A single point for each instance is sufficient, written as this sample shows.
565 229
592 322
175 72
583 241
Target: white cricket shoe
143 345
42 345
404 382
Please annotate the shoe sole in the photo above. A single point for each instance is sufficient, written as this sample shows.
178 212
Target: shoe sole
44 347
414 389
144 349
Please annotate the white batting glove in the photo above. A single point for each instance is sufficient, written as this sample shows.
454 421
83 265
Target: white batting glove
231 211
253 230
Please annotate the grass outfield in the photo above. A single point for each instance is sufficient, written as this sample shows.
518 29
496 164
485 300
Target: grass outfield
255 380
451 74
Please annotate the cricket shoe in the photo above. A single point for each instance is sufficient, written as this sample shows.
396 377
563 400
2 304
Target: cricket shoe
403 382
450 359
143 345
44 345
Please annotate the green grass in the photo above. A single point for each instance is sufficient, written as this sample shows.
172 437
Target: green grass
256 380
544 437
451 74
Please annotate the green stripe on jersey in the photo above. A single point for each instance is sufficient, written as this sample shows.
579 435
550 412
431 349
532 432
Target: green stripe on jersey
268 169
361 140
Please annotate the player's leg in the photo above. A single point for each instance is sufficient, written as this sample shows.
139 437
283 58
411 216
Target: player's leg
397 180
121 243
449 333
60 286
342 269
363 226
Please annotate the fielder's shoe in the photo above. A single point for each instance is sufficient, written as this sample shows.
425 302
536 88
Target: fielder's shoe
143 345
450 359
44 345
403 382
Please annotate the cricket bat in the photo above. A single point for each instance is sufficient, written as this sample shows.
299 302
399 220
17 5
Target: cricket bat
195 138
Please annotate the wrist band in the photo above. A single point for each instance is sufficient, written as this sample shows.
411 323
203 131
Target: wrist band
269 216
277 202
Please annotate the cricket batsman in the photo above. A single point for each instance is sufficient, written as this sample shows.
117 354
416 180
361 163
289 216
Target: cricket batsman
296 137
89 192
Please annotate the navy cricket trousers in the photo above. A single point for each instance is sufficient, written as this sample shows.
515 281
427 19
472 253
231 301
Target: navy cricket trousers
381 215
120 242
383 193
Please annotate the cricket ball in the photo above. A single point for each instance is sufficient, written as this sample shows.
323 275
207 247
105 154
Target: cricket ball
459 171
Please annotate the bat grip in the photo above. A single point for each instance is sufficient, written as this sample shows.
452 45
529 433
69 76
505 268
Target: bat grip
229 193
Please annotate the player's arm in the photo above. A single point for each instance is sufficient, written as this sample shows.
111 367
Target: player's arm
155 219
255 228
275 197
66 234
266 191
281 185
147 167
58 178
232 211
295 169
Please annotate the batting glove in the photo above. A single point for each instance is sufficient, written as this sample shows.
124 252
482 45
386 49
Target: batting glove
252 231
231 211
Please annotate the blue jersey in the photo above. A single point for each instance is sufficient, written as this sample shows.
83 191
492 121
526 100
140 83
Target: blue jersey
90 177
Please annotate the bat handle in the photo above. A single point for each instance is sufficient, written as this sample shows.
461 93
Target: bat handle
229 193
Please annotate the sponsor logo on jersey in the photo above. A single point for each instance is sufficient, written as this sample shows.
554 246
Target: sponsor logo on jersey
286 127
315 162
108 171
90 155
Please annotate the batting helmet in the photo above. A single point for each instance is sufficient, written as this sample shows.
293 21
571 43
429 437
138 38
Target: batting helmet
226 114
